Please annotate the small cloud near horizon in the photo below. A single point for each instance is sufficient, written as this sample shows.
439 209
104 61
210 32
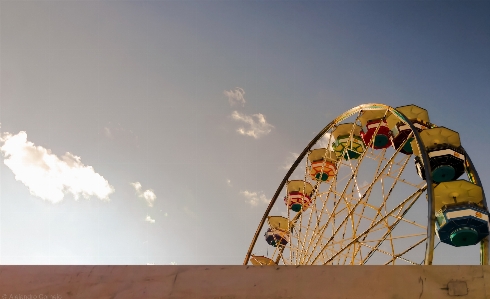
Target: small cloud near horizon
190 212
258 125
326 141
149 219
148 195
254 198
235 96
121 135
290 160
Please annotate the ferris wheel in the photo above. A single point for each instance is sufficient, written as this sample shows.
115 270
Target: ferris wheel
378 185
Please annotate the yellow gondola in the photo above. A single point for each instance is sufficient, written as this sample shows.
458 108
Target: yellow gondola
461 217
259 260
400 131
278 232
446 157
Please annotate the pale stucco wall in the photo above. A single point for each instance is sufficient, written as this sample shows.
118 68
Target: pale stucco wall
390 282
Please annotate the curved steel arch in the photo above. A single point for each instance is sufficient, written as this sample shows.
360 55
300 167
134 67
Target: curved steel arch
425 159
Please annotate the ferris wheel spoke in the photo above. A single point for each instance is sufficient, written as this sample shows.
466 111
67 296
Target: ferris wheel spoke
364 195
362 215
340 242
409 221
354 250
337 202
326 254
394 257
395 238
416 194
324 209
407 250
392 246
415 198
417 186
385 198
382 154
362 201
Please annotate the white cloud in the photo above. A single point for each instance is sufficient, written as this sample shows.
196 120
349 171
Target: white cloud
148 195
137 186
290 160
235 96
228 182
190 212
254 198
108 133
361 188
326 141
258 126
49 177
149 219
121 135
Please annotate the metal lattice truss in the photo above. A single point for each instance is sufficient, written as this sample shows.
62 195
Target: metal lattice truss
352 221
375 209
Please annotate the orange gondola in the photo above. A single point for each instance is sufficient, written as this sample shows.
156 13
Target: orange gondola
323 164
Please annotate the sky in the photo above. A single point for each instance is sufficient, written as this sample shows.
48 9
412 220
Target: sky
156 132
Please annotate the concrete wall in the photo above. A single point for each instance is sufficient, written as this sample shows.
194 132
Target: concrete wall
227 282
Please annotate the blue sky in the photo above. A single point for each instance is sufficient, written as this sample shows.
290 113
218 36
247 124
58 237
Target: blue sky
156 92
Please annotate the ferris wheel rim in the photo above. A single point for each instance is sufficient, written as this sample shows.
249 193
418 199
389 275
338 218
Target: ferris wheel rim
423 155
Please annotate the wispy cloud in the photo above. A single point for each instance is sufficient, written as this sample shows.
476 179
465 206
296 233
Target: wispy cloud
326 141
149 219
108 133
361 188
258 126
117 133
290 160
228 182
190 212
48 176
148 195
254 198
235 96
